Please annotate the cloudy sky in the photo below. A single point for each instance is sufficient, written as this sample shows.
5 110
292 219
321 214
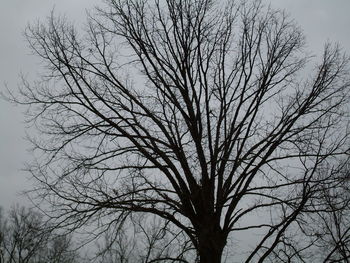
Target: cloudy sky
321 20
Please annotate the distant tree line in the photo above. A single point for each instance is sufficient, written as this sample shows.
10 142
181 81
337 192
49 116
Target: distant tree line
25 237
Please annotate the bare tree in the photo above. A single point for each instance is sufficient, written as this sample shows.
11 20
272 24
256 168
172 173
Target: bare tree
25 238
202 113
22 238
330 230
145 239
2 235
326 225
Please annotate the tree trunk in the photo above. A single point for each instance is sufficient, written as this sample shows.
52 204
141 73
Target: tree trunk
211 245
210 255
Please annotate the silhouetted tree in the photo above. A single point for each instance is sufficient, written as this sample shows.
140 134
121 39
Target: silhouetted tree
330 226
325 227
2 235
199 112
145 239
26 238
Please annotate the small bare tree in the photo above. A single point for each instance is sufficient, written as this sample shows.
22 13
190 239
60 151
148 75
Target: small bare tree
2 235
325 227
25 238
199 112
330 225
145 239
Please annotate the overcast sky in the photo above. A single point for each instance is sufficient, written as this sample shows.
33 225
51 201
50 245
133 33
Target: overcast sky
321 20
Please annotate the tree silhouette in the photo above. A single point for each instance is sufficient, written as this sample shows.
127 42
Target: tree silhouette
144 239
203 114
25 238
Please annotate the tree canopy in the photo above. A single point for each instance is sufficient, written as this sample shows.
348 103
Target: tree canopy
211 116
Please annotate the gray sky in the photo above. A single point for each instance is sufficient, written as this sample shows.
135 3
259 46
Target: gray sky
321 20
15 58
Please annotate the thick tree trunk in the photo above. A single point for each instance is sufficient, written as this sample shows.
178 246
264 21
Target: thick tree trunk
211 245
210 255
